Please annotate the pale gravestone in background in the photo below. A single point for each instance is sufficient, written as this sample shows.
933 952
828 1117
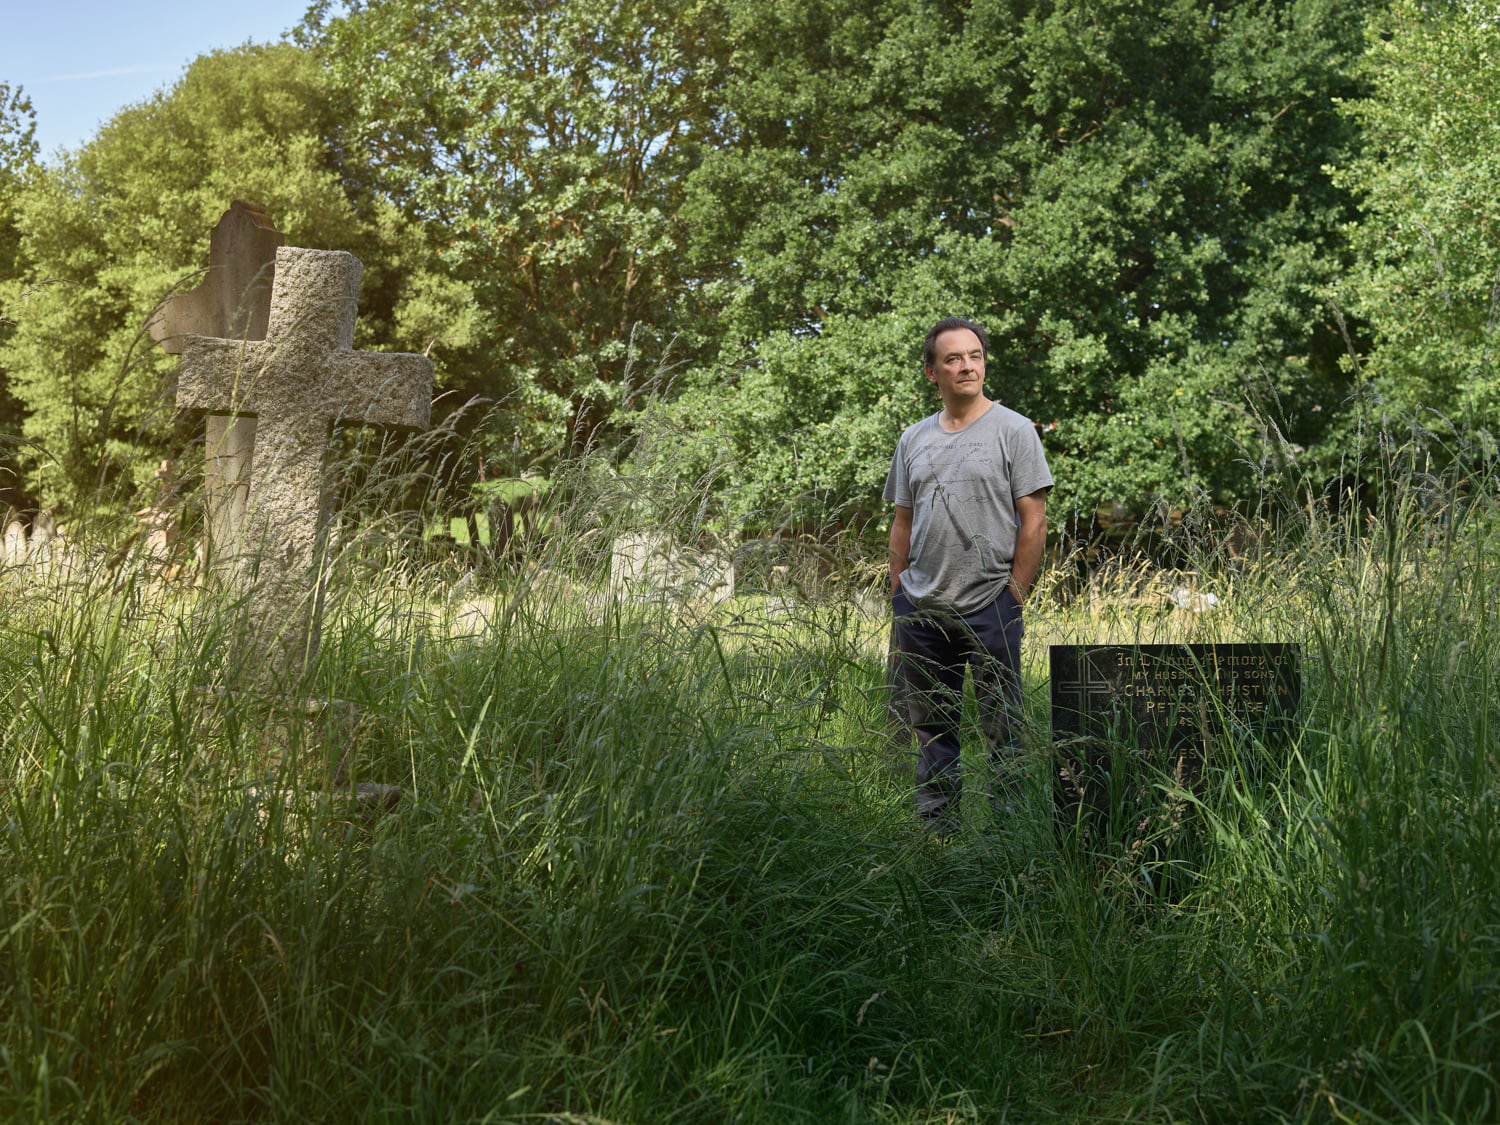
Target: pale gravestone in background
638 563
295 386
647 564
232 303
44 538
15 542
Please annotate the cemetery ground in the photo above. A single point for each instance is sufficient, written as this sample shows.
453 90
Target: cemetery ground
655 863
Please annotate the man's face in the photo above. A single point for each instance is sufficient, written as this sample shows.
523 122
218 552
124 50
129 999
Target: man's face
957 366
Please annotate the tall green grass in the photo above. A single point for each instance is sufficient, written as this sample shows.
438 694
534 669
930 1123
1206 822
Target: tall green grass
652 864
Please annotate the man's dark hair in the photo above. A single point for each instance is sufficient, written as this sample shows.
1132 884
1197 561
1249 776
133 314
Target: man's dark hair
929 349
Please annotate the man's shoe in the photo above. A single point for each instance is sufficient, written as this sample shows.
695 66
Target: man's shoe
938 827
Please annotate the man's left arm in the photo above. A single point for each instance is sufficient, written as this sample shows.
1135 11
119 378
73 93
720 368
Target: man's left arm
1031 541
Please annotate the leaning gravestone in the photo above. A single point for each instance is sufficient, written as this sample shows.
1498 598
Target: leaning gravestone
233 302
234 299
294 386
1132 722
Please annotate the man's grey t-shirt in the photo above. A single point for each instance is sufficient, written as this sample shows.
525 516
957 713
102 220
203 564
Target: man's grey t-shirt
962 489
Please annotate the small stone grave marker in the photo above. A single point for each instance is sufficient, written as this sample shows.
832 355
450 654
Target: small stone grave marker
157 546
1126 717
647 565
15 542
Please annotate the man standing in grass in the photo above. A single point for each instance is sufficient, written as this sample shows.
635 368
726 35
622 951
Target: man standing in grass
970 488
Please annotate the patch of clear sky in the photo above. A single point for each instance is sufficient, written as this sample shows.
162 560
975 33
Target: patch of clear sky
82 61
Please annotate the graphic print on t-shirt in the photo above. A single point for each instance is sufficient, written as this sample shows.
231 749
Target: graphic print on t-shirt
963 536
961 480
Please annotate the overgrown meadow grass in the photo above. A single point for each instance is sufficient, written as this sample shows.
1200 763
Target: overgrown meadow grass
655 863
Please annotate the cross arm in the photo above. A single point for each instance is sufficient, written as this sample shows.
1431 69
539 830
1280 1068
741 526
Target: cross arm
218 375
390 389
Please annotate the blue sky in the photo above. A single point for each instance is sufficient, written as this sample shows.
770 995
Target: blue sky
82 61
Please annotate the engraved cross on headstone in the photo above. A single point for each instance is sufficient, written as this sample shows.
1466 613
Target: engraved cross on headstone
297 383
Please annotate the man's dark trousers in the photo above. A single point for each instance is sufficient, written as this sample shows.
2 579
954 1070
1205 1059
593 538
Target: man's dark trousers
934 651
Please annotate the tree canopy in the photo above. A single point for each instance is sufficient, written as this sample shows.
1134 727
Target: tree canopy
1426 278
1130 198
544 145
18 152
1195 230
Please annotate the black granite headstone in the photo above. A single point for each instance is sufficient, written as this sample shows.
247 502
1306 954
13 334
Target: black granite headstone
1127 718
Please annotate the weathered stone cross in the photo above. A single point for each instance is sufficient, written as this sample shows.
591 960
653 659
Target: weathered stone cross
298 382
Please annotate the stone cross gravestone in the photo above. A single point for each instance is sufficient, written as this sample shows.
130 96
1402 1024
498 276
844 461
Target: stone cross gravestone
234 303
295 385
1127 717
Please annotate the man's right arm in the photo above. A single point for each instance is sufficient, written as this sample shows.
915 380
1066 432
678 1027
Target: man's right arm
900 548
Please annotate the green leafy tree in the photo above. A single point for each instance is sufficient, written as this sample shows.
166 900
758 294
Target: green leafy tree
115 227
18 152
544 146
1128 196
1426 279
